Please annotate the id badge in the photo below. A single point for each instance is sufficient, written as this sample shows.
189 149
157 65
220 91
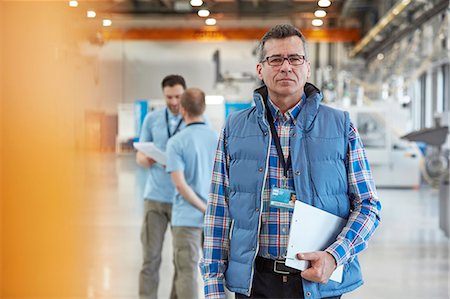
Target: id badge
282 198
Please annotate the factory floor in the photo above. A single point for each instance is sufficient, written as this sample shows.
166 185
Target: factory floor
408 256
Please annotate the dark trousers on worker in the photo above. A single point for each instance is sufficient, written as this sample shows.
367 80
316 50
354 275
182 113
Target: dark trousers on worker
268 284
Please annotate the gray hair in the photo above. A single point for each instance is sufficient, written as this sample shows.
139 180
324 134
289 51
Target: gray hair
279 32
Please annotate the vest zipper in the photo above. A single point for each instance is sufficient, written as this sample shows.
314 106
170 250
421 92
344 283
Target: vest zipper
230 234
311 182
261 205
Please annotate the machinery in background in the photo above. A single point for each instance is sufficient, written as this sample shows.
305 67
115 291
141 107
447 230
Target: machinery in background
436 161
235 86
435 167
394 162
228 77
444 204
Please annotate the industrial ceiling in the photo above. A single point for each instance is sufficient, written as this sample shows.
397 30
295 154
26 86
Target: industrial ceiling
234 13
377 23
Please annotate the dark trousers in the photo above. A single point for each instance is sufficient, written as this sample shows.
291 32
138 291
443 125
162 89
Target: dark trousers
270 285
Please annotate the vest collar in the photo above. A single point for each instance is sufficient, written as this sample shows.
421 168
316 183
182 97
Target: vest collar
308 108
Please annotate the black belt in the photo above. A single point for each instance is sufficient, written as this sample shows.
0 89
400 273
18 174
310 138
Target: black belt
274 266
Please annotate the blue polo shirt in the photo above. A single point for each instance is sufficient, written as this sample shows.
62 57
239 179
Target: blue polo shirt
192 151
159 185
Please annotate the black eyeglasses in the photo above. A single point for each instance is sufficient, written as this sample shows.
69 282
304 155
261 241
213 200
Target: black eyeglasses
278 60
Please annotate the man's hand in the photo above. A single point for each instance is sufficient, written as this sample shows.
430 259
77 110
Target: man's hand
186 191
143 160
322 265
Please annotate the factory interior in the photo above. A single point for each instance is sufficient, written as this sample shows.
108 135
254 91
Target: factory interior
77 79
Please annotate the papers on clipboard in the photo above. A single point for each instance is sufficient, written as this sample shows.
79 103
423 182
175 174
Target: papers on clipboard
150 150
312 229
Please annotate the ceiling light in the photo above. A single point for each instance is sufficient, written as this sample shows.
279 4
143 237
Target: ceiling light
91 14
320 13
317 22
210 21
196 2
73 3
107 22
203 13
324 3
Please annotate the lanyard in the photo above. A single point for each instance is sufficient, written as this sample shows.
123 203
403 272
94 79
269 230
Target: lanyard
168 127
195 123
286 164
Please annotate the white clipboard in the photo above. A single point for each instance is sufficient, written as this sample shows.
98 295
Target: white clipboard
312 229
150 150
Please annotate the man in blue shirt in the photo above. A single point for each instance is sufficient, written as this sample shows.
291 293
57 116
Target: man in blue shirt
158 127
190 157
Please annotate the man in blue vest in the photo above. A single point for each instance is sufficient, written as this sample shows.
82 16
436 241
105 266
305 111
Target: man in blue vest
289 142
158 127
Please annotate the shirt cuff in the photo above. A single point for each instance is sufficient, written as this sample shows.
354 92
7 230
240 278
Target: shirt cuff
214 288
341 250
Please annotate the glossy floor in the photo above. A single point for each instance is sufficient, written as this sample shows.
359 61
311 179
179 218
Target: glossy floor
408 256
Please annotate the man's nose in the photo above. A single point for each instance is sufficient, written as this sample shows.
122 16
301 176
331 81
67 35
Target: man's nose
286 66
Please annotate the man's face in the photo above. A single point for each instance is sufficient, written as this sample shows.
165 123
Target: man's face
286 80
172 95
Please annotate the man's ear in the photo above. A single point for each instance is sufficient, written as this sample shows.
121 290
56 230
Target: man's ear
259 71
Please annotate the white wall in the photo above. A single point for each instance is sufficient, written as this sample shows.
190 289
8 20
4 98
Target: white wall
132 70
129 70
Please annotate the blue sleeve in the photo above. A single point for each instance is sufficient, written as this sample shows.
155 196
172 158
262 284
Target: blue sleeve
366 207
174 156
146 130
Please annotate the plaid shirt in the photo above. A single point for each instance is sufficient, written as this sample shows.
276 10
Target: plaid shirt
275 223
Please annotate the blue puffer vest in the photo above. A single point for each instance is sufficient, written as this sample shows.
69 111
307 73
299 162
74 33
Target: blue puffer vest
318 150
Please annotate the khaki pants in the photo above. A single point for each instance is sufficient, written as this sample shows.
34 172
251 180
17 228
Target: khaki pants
157 217
187 242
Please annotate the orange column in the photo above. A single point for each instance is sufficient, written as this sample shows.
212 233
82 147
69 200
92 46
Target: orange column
42 243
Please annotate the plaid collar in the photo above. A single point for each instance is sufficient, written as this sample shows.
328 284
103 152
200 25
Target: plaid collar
290 114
